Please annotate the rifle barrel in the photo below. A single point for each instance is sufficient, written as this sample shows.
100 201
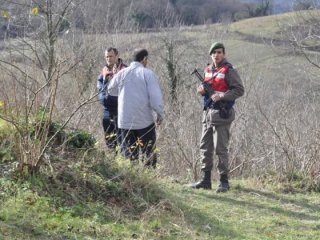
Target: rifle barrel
198 75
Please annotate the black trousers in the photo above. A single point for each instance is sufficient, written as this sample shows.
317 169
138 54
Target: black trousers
111 132
140 143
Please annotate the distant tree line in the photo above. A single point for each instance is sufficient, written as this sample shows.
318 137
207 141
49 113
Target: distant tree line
144 14
103 16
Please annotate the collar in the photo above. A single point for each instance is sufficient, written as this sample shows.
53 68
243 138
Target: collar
224 62
119 63
136 64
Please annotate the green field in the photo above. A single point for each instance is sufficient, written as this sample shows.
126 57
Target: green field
246 212
96 195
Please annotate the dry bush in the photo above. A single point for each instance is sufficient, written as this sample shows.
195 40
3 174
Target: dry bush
276 128
34 72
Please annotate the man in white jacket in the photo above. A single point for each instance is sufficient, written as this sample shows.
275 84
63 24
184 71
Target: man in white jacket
140 106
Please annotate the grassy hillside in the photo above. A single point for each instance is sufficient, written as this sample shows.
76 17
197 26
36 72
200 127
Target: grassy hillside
92 194
42 210
270 26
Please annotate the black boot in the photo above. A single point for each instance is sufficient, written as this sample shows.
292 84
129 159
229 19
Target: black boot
205 183
224 184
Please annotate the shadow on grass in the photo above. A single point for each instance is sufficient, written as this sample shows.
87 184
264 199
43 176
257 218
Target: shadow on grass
273 196
253 205
25 231
201 222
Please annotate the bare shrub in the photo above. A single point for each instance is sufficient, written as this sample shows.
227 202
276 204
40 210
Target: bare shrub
34 70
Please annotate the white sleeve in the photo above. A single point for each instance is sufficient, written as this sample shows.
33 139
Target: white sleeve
113 86
155 95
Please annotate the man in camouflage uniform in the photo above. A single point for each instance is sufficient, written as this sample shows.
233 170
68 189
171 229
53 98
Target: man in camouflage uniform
218 115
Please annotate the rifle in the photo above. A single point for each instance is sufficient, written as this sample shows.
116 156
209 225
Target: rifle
208 89
222 105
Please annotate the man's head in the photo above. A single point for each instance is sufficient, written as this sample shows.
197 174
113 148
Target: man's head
217 53
140 55
111 55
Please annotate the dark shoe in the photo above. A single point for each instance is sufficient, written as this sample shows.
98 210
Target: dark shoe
202 184
205 183
223 187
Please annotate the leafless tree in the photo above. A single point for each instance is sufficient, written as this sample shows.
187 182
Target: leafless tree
35 65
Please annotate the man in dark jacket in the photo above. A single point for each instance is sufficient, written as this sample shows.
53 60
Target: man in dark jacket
110 103
218 115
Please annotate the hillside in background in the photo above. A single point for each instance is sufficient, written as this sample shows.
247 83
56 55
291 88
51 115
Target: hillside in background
281 6
82 191
271 53
126 15
278 6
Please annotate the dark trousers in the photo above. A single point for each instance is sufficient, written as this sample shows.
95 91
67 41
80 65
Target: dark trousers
140 141
111 132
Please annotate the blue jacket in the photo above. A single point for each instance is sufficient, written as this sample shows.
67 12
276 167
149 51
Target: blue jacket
110 103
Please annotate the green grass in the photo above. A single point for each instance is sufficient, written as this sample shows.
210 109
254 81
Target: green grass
246 212
270 26
97 198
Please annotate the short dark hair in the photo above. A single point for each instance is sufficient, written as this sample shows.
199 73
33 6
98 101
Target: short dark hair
112 49
140 54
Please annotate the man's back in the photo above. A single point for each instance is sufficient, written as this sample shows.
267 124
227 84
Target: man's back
139 93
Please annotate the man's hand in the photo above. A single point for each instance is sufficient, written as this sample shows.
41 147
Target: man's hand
217 97
201 90
159 120
104 72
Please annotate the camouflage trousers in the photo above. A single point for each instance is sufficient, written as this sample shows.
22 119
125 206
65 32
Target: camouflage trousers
215 139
